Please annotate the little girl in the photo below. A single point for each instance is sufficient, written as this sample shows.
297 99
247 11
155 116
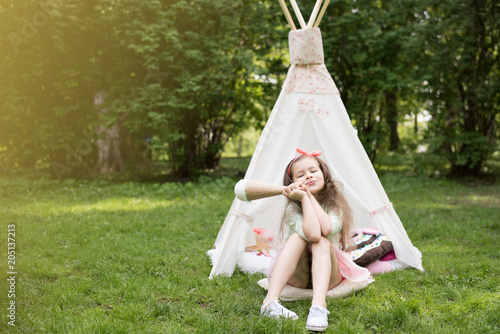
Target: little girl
319 219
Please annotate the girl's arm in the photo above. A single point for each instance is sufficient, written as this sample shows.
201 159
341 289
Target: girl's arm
310 224
324 219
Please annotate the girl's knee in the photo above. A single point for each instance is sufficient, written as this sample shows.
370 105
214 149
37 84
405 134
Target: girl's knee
324 243
321 249
296 238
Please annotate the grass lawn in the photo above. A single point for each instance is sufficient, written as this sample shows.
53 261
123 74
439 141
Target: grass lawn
104 257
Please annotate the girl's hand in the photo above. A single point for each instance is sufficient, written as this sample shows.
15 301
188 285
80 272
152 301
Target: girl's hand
295 191
303 187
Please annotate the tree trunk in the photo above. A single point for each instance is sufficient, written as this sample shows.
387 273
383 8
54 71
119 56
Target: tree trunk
415 125
116 146
109 151
109 156
392 119
240 145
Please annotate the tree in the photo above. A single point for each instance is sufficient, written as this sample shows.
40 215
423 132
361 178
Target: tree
368 53
59 57
462 89
213 91
90 81
44 110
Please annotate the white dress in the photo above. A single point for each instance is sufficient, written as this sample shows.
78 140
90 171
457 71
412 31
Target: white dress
349 270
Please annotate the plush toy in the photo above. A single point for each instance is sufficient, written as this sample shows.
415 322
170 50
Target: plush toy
268 235
264 239
368 246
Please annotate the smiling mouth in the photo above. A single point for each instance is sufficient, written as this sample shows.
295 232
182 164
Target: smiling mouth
310 183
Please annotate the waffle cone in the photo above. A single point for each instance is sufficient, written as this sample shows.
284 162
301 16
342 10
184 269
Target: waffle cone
258 189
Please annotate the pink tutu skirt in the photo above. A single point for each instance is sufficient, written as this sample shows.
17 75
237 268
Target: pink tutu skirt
349 270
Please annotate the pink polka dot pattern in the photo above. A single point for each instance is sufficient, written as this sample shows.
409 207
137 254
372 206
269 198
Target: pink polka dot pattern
306 105
306 46
309 104
322 113
308 73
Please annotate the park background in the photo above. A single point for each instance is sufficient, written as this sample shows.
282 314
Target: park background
125 124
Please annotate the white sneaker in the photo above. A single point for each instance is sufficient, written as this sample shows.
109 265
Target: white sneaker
274 309
317 320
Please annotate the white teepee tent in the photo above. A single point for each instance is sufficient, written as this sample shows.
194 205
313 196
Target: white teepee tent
309 114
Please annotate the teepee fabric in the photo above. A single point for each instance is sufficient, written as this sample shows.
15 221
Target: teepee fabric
309 114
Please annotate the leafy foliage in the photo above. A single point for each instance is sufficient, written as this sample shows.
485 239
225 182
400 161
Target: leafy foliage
186 73
189 75
462 87
368 52
212 91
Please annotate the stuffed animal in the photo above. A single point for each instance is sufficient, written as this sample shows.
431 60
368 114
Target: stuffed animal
264 239
368 246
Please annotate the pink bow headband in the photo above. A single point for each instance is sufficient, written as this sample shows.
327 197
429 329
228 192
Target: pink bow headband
316 153
312 154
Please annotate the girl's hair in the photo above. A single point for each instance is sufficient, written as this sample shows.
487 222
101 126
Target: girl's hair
331 196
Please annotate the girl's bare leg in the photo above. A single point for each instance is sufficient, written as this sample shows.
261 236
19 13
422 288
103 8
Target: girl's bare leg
302 274
325 270
336 276
286 265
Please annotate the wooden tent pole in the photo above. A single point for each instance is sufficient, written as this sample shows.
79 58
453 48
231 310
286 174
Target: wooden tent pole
321 13
298 14
287 14
314 13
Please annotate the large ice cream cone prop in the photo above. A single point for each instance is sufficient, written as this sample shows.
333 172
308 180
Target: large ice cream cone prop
249 190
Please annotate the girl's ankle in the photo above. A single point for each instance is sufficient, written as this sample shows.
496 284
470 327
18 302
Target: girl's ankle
322 304
268 300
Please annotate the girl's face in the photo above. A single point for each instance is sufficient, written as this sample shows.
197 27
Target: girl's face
308 172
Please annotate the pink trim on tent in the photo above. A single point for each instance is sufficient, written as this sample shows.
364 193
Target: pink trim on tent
244 216
379 210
